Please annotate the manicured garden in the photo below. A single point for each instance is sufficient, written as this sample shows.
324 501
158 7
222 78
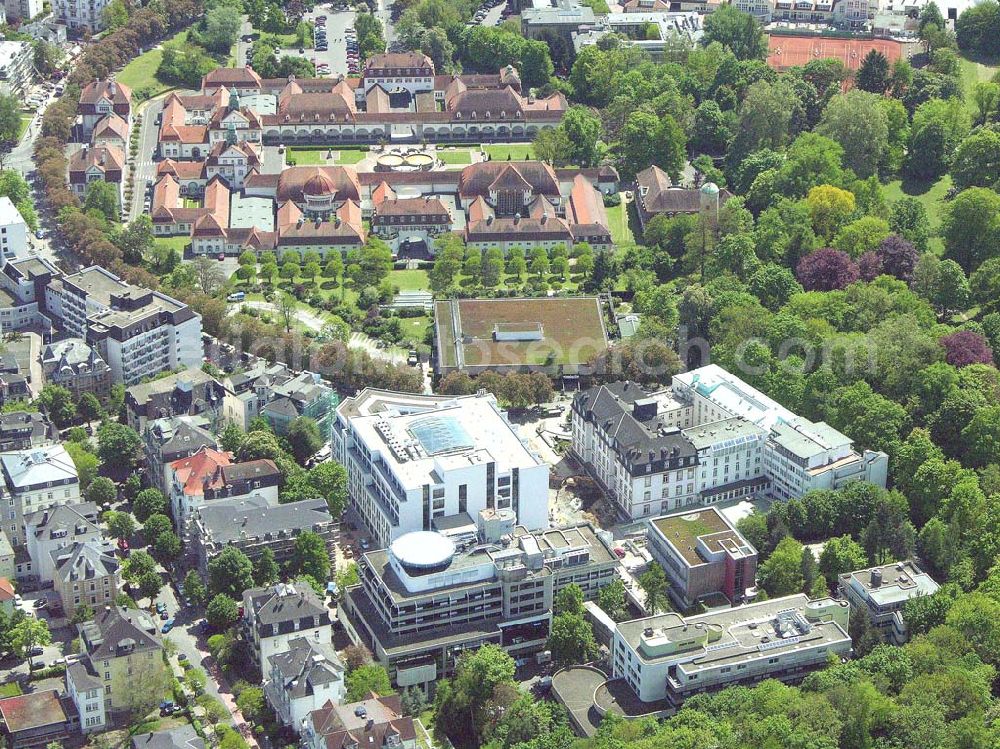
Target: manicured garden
509 151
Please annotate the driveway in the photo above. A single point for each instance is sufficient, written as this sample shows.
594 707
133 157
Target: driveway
337 22
304 315
143 167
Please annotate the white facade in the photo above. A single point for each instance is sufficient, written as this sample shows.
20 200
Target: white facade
87 694
883 592
34 480
13 231
709 438
22 9
670 657
138 332
759 9
16 67
81 13
41 542
299 683
411 459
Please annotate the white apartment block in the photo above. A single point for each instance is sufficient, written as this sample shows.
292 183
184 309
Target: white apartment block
413 459
24 10
81 14
34 480
669 658
16 67
759 9
709 438
138 332
13 232
883 592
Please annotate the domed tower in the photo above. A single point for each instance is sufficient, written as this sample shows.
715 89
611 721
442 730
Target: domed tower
709 201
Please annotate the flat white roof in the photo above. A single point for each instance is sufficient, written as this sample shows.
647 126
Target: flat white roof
9 51
456 433
38 465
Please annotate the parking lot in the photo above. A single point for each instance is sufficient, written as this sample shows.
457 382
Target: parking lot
329 25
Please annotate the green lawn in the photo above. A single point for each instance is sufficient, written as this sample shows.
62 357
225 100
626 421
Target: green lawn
621 233
974 72
515 151
141 72
307 156
931 195
25 120
176 243
351 155
410 280
455 157
415 328
10 689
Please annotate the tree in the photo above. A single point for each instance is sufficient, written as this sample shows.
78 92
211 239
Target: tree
975 29
251 703
329 480
46 57
118 448
413 701
571 640
230 573
304 437
12 184
114 15
102 197
265 568
150 584
138 564
89 408
219 29
310 556
365 679
356 656
873 75
231 438
982 437
647 139
976 162
149 502
27 634
965 347
553 146
781 573
167 546
10 119
857 121
830 208
738 31
970 227
611 600
938 127
653 583
583 129
194 588
121 525
460 702
222 612
101 492
827 269
898 257
58 404
569 600
839 555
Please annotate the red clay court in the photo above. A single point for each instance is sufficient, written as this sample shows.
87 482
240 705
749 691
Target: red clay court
795 51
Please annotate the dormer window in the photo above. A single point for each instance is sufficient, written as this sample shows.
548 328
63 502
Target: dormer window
487 114
473 116
517 115
503 114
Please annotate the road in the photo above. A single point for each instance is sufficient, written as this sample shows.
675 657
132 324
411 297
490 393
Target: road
144 167
384 13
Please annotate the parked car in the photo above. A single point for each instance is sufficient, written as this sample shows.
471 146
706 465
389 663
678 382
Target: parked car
167 626
36 650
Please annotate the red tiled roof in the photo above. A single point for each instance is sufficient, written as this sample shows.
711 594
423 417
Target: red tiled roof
201 470
6 590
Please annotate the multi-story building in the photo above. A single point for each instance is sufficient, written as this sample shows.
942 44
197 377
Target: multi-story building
209 476
275 616
252 524
23 293
710 437
97 164
72 364
704 556
759 9
398 220
36 719
6 558
101 99
169 439
434 594
86 574
302 679
35 480
374 723
192 393
17 70
13 231
414 459
53 530
138 332
883 592
21 430
668 657
179 737
81 14
86 691
120 647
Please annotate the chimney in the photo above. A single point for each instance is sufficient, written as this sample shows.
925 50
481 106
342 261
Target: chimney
876 578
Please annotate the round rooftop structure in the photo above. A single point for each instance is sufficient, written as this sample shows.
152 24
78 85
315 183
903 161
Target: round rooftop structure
710 188
319 184
423 551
